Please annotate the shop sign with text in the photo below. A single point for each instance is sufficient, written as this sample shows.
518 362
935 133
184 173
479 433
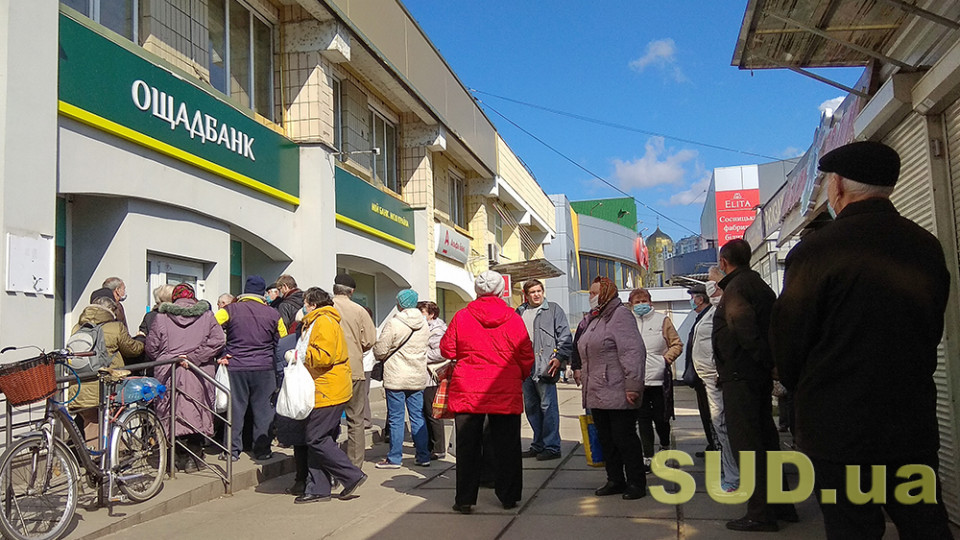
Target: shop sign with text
117 88
363 206
451 243
736 210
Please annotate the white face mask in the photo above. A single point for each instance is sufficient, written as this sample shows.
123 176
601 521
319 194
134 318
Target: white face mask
594 302
710 287
715 300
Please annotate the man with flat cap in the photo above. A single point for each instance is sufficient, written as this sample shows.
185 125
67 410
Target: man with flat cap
361 334
855 336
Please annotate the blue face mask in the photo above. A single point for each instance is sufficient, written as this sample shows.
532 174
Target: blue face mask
693 305
642 309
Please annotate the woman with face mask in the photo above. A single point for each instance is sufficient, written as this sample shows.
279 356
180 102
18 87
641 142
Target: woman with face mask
609 352
663 346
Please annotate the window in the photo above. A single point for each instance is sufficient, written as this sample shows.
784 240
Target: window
337 116
117 15
384 138
456 199
241 55
621 273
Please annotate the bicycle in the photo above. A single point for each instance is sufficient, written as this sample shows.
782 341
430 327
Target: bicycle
40 473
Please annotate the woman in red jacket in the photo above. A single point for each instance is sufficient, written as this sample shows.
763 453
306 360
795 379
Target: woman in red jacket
493 355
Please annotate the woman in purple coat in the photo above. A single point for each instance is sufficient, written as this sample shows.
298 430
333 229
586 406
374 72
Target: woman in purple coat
610 352
187 329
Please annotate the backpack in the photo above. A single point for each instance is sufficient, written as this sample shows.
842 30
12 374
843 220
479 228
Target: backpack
87 338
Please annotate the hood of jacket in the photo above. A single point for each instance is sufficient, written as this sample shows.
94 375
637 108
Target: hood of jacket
490 311
95 314
184 311
433 324
412 317
330 311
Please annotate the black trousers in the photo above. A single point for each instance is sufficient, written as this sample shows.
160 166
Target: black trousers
437 439
847 520
325 459
785 404
504 442
703 405
652 413
620 445
748 409
253 389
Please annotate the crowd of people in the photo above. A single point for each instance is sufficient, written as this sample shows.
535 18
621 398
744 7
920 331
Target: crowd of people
852 341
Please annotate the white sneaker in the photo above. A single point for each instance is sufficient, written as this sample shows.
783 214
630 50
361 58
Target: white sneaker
384 464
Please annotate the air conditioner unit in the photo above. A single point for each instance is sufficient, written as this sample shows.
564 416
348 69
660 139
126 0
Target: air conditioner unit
493 253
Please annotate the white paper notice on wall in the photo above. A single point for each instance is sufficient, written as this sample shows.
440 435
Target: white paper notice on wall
30 263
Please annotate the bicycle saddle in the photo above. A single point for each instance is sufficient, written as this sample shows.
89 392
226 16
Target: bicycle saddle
113 374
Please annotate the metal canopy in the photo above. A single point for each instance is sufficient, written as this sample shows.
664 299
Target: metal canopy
524 270
820 33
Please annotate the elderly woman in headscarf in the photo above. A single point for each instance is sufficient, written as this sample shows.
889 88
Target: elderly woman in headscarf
186 329
493 355
608 357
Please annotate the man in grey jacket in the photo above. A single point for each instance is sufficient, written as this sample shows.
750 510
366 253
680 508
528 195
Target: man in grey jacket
550 333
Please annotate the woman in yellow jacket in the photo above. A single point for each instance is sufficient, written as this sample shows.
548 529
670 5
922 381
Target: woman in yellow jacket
324 349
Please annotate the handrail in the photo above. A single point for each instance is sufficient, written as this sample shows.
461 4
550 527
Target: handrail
172 393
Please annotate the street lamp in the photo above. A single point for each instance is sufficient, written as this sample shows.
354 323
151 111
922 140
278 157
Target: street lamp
590 212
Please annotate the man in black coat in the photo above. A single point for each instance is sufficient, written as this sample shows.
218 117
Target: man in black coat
744 369
855 336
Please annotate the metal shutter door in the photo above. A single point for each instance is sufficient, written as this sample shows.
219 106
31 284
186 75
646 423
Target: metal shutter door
913 197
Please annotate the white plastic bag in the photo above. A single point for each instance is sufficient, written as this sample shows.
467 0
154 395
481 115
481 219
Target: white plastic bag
298 393
223 398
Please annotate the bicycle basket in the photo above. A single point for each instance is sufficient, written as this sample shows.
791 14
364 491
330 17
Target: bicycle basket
28 381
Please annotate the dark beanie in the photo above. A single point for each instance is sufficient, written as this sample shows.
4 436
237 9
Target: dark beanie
346 280
867 162
102 293
255 285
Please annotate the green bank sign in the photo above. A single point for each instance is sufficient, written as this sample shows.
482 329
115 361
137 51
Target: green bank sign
364 207
116 88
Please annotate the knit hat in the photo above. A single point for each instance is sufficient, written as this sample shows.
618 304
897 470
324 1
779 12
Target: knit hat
407 299
346 280
183 290
867 162
255 285
489 283
101 293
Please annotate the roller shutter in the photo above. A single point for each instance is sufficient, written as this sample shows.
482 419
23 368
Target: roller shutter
914 199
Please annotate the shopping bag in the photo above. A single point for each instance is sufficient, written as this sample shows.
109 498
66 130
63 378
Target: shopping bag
591 442
223 398
298 393
440 409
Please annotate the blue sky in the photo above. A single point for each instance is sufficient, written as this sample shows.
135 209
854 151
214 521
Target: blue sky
661 67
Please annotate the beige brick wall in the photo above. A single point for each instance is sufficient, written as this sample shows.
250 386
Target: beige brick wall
176 30
511 169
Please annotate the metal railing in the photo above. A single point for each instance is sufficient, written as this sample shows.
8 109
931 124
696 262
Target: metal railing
177 364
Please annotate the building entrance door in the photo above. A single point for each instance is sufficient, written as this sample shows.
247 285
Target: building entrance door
168 270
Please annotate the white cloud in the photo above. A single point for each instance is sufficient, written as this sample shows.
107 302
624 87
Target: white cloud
696 193
657 166
791 152
662 54
831 104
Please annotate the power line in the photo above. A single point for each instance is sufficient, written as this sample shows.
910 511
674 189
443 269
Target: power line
588 171
630 128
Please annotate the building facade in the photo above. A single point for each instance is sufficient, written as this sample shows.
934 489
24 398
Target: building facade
205 141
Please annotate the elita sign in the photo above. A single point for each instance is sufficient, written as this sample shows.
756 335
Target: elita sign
451 243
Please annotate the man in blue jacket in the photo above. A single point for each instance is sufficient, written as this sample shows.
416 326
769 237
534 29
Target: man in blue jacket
253 329
552 343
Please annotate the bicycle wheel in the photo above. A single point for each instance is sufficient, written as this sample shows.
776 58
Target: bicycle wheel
138 452
37 502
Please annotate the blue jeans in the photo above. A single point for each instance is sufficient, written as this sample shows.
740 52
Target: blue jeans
543 413
413 401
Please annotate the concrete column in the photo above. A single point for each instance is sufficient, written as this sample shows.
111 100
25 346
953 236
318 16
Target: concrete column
29 33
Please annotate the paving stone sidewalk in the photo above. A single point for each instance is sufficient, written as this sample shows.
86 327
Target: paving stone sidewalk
414 503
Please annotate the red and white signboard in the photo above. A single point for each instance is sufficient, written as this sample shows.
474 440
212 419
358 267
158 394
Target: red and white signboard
736 210
451 243
507 287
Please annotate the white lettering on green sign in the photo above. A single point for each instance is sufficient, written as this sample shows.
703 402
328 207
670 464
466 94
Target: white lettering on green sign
377 209
201 126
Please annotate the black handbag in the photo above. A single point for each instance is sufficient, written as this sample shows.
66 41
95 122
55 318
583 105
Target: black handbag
377 372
